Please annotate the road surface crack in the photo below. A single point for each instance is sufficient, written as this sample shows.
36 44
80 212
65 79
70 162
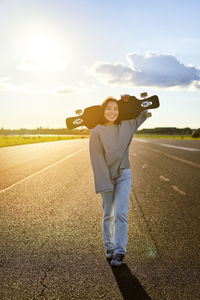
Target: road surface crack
147 228
44 286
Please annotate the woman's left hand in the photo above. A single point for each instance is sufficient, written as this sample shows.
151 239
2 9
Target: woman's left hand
125 97
147 114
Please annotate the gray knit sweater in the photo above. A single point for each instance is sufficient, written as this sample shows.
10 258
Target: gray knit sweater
109 151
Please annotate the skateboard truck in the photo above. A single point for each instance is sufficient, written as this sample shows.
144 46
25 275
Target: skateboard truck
78 121
143 95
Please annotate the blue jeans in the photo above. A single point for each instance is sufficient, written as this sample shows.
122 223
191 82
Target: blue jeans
116 207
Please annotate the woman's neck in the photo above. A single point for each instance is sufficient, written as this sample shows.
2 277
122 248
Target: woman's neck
108 123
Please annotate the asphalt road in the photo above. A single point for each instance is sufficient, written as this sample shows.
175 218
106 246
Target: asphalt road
51 244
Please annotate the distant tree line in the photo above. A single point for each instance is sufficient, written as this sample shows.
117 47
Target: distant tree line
171 131
167 130
40 130
65 131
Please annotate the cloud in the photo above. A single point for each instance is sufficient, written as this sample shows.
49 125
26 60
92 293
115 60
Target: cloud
29 64
195 85
6 84
151 69
65 90
5 79
59 91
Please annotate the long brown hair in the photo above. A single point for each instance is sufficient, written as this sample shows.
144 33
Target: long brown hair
102 119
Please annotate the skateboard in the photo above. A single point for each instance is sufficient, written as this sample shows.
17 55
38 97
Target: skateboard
128 110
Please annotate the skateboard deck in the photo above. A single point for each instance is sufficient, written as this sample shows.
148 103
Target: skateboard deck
130 109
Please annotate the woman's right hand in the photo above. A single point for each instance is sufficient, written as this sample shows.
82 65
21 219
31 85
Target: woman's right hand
125 97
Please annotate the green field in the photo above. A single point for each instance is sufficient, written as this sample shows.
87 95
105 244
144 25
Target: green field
13 140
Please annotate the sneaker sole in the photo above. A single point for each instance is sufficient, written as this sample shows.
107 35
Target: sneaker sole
109 256
116 263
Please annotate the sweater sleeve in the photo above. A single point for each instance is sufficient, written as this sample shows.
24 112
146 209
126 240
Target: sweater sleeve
101 173
135 123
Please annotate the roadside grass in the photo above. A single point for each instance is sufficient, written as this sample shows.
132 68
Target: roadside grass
12 140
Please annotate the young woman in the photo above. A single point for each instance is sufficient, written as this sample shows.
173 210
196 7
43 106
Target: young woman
109 153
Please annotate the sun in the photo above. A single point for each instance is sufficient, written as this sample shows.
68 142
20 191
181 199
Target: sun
42 49
45 53
42 54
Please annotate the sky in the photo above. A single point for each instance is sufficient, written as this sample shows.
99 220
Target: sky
58 56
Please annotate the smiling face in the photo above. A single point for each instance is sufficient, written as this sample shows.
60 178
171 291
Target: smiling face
111 112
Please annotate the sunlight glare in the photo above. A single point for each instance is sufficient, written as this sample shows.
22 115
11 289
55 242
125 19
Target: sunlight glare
44 54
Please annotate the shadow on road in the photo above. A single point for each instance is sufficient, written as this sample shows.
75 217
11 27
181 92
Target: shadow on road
129 285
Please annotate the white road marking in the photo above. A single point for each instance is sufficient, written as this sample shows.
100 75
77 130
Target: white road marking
178 147
174 157
173 186
170 146
141 140
164 178
41 171
178 190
